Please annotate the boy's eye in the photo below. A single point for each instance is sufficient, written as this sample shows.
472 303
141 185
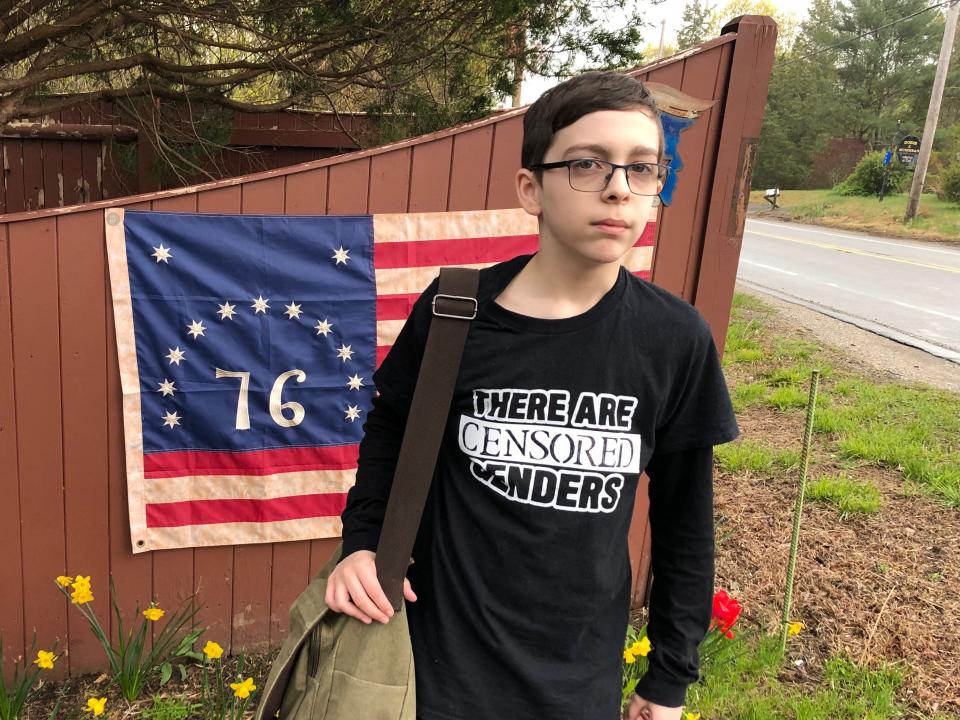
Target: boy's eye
641 169
586 164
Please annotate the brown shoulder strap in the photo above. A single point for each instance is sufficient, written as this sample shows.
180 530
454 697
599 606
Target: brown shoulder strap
454 306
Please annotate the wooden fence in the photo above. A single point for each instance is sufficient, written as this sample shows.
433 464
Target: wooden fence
96 152
62 483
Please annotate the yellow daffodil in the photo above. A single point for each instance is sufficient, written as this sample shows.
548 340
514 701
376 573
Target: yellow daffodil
794 628
45 659
153 613
95 705
64 580
212 650
243 689
81 583
641 647
628 657
691 716
81 595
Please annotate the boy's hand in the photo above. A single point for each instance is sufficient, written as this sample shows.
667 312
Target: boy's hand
353 589
641 709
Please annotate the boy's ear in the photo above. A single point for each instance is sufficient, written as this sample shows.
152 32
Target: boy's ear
528 191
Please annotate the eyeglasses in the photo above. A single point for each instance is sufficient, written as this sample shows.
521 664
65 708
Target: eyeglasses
591 175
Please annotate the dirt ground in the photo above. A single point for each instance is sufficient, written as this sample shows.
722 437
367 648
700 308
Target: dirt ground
883 588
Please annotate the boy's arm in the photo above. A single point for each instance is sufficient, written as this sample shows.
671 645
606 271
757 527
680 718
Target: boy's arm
366 506
395 379
681 597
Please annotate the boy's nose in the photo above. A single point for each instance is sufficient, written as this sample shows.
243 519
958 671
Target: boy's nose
617 185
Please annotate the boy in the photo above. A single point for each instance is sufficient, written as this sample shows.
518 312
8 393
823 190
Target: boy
576 376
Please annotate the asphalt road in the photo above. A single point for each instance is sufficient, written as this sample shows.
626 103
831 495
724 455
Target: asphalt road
905 290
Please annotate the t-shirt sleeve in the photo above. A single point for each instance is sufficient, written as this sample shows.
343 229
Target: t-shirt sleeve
395 380
682 562
698 411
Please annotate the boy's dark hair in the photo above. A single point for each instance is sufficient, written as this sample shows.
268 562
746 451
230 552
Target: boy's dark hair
564 104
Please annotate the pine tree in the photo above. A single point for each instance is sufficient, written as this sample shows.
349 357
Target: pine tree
696 22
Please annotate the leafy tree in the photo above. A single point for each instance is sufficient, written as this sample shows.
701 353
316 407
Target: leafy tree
447 60
786 20
696 24
881 73
804 108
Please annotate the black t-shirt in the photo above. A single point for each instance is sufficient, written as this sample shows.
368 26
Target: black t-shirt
522 566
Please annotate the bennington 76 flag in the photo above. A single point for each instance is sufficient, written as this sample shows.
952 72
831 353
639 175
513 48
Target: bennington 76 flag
246 347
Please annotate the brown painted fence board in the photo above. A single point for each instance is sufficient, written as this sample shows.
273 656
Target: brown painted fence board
83 358
468 177
63 473
11 570
430 176
390 181
36 369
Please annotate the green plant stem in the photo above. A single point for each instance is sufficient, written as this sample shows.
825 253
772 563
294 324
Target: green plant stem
798 510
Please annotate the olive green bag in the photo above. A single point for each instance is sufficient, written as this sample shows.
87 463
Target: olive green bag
332 666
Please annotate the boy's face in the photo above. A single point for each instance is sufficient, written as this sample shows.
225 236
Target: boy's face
572 221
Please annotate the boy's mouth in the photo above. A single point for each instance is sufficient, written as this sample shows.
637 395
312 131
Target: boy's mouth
612 225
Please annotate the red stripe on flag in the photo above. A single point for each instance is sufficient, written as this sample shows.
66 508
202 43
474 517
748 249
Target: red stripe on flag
395 307
648 235
457 251
249 462
205 512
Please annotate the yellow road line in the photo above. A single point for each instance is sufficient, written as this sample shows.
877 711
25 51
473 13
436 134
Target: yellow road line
853 251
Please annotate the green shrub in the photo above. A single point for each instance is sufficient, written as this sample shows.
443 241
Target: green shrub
949 181
867 177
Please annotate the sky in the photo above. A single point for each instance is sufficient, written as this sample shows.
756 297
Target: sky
669 11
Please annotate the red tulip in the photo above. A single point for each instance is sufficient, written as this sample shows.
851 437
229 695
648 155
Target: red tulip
726 610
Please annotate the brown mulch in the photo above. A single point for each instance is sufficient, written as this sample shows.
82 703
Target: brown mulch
75 691
881 589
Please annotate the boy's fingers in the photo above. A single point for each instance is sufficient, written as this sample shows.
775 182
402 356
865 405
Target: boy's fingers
346 607
371 583
408 592
360 598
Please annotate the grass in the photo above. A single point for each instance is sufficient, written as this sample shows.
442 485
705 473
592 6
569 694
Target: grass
914 429
743 683
746 456
936 219
172 708
845 494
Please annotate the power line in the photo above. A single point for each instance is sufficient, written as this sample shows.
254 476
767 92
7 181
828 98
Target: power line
868 32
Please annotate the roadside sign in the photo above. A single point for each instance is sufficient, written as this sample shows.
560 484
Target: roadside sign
886 157
908 149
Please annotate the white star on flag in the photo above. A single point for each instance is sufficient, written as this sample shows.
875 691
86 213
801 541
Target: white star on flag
323 327
176 355
196 329
260 305
353 412
171 419
162 253
226 311
345 352
166 387
341 255
355 382
293 311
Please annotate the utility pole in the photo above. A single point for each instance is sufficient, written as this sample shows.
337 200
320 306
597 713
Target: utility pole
933 111
663 30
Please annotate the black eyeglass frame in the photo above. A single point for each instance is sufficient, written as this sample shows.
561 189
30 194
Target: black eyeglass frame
606 181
